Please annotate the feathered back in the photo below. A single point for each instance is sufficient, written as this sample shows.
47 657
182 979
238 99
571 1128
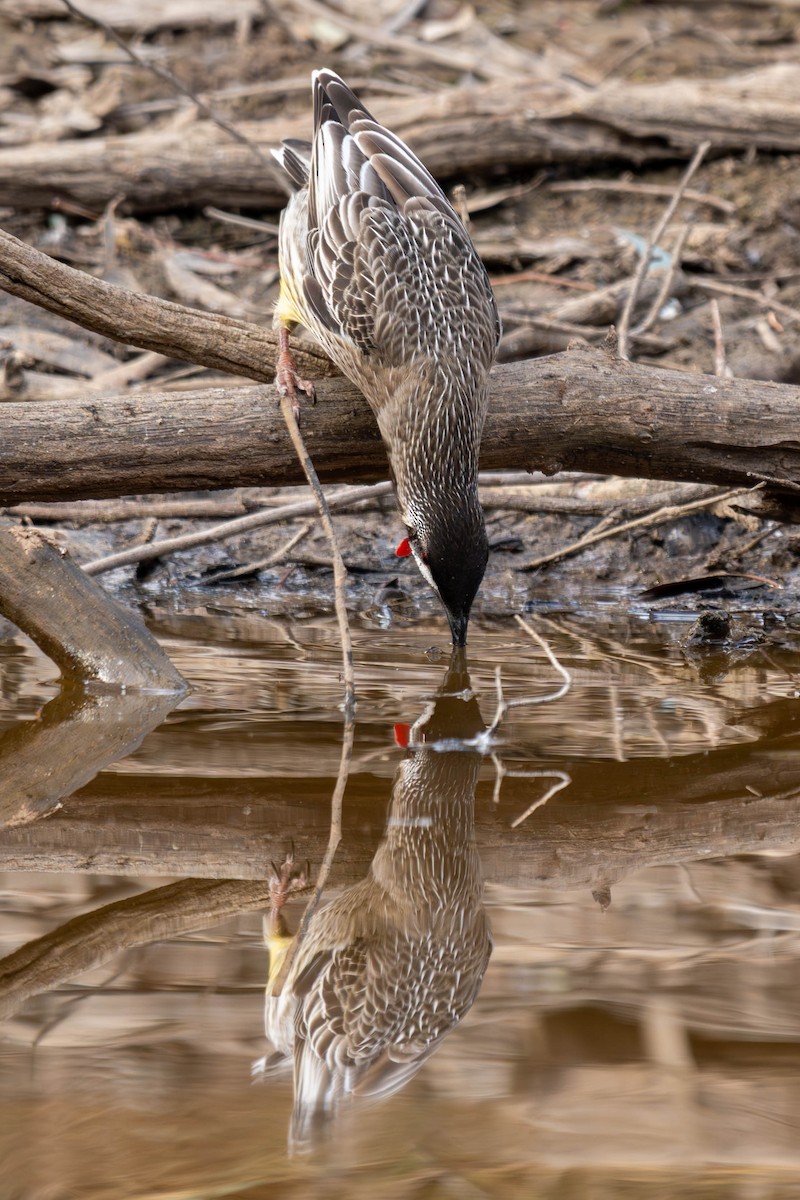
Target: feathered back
387 257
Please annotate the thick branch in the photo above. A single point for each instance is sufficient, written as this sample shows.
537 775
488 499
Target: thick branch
458 131
134 318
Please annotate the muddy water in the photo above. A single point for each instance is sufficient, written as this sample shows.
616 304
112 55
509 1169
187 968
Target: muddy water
634 847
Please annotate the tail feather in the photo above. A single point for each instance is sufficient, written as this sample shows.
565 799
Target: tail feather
294 156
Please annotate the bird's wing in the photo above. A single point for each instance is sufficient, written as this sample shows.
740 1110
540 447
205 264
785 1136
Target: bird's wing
387 256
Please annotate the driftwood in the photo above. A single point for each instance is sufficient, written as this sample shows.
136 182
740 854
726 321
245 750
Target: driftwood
88 635
459 131
582 410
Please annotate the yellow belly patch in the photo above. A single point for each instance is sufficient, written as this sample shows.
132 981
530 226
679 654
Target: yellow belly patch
287 308
278 947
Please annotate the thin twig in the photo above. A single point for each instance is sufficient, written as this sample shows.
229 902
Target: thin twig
659 517
731 289
721 368
644 261
219 214
631 188
504 706
339 569
227 529
164 73
666 285
270 561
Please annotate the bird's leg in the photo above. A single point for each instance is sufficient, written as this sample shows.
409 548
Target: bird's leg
287 380
284 881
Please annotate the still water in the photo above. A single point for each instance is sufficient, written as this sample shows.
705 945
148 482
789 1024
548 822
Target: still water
563 961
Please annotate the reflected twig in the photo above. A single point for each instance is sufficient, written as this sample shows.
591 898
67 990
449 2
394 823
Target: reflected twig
504 706
339 569
334 838
562 778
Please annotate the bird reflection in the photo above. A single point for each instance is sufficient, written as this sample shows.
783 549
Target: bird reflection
389 967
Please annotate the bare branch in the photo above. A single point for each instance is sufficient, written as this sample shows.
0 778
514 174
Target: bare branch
644 262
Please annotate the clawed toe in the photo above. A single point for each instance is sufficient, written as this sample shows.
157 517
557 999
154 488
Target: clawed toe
287 878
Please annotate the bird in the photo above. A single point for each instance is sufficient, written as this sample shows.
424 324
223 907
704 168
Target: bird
377 265
388 968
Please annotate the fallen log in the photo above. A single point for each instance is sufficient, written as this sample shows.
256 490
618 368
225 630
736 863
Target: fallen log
458 131
88 635
583 409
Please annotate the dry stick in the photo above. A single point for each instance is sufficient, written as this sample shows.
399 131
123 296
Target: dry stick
270 561
541 277
272 516
339 569
644 261
666 286
659 517
641 189
720 364
731 289
494 485
167 75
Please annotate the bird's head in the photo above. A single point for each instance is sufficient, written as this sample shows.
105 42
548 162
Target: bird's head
450 547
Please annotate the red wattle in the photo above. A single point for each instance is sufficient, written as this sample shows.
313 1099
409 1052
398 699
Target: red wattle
404 549
402 736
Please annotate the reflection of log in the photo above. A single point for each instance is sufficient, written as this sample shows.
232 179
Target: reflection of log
645 812
75 736
459 131
581 410
86 633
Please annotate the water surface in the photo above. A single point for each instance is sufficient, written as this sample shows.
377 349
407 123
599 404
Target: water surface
637 1030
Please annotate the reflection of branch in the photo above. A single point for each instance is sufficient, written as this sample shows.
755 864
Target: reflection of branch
92 938
334 838
562 779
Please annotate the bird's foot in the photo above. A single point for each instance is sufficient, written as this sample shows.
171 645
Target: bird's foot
287 381
286 879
